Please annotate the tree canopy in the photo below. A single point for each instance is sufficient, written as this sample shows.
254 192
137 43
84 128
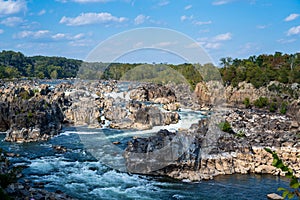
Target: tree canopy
258 70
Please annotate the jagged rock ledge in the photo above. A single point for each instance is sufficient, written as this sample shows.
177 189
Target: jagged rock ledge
204 151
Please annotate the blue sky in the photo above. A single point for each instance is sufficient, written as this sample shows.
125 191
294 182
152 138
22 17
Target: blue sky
73 28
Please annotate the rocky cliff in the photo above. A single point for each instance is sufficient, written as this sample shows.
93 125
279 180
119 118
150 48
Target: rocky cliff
205 151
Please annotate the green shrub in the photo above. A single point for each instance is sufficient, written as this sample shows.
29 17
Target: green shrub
247 102
240 134
24 95
226 127
294 182
283 107
273 107
30 114
261 102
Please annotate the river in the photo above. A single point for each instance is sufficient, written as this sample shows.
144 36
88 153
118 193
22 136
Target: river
80 175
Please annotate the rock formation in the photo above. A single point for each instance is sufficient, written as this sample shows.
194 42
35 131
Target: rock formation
212 152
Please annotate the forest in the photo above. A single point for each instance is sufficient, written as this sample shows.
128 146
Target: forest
258 70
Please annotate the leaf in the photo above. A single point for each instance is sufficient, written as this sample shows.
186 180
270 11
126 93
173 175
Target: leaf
285 169
274 163
289 174
290 195
285 193
294 183
268 150
281 189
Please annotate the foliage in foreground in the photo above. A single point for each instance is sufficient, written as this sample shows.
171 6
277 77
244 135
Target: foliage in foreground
294 189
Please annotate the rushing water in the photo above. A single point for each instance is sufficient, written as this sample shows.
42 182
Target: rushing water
80 175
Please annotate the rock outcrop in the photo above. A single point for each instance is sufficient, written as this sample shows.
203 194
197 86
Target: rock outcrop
140 116
153 93
29 115
204 151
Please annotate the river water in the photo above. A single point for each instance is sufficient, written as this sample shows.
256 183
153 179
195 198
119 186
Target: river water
79 174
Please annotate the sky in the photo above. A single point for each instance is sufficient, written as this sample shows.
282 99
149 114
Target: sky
222 28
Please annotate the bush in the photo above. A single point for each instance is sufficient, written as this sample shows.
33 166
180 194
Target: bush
283 108
240 134
247 102
226 127
273 107
261 102
25 95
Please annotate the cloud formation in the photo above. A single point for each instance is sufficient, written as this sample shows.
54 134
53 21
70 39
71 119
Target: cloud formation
188 7
291 17
223 37
293 31
11 21
202 22
91 18
32 34
84 1
220 2
140 19
12 7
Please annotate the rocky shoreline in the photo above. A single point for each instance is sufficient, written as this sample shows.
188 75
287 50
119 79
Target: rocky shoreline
33 112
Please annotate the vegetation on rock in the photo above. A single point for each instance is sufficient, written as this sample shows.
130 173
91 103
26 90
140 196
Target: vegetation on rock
294 182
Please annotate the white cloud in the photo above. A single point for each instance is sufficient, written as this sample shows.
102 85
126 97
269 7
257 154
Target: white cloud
42 12
163 3
285 41
291 17
184 18
32 34
12 21
1 31
84 1
81 43
140 19
188 7
206 43
294 31
60 36
12 7
261 26
202 22
220 2
212 45
91 18
91 1
211 42
223 37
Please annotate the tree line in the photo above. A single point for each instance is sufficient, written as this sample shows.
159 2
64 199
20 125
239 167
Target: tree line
17 65
258 70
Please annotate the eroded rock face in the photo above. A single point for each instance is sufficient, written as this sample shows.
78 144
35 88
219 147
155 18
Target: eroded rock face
29 117
153 93
140 116
210 153
32 112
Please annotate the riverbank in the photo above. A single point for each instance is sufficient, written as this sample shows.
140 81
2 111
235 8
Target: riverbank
33 112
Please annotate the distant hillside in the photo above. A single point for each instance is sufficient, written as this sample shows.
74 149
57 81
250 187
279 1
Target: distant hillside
16 65
258 70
